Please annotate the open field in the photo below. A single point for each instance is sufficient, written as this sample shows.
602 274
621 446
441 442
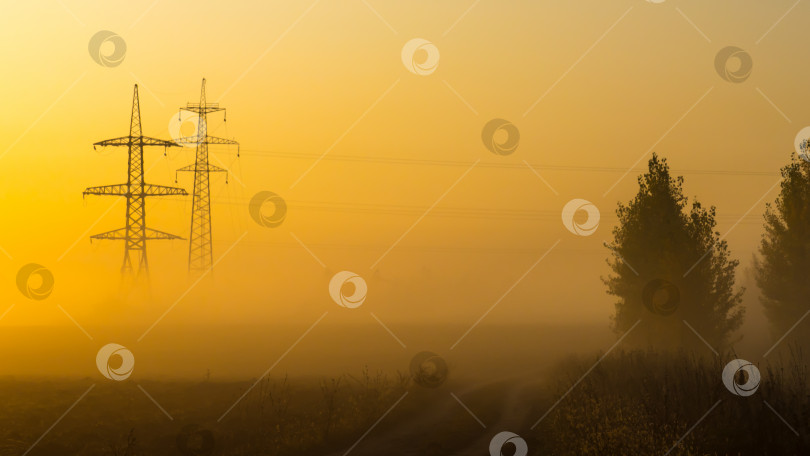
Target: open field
630 403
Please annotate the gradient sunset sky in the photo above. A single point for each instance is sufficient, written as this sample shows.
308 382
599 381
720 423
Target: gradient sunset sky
593 86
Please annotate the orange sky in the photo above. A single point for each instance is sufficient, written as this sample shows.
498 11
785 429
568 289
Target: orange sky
592 86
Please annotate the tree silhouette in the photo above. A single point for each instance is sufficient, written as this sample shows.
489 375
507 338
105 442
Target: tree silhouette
670 268
781 272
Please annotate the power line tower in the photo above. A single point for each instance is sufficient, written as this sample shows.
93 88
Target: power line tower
136 190
200 252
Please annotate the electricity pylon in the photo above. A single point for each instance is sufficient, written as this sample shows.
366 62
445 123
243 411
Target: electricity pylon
135 233
200 252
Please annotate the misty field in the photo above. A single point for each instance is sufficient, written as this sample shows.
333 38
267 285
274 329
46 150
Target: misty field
643 403
630 403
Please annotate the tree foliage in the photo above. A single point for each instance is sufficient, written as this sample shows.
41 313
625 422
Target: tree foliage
782 271
674 257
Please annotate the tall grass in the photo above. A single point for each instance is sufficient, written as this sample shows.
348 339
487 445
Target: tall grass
645 402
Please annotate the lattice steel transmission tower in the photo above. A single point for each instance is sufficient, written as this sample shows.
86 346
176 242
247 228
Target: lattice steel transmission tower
136 190
200 252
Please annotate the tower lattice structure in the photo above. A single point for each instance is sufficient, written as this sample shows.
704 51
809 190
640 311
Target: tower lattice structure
200 250
135 190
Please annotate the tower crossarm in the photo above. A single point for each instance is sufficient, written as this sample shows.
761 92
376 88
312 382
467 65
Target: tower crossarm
114 235
121 234
206 108
207 167
123 190
208 140
155 234
158 190
135 140
116 190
